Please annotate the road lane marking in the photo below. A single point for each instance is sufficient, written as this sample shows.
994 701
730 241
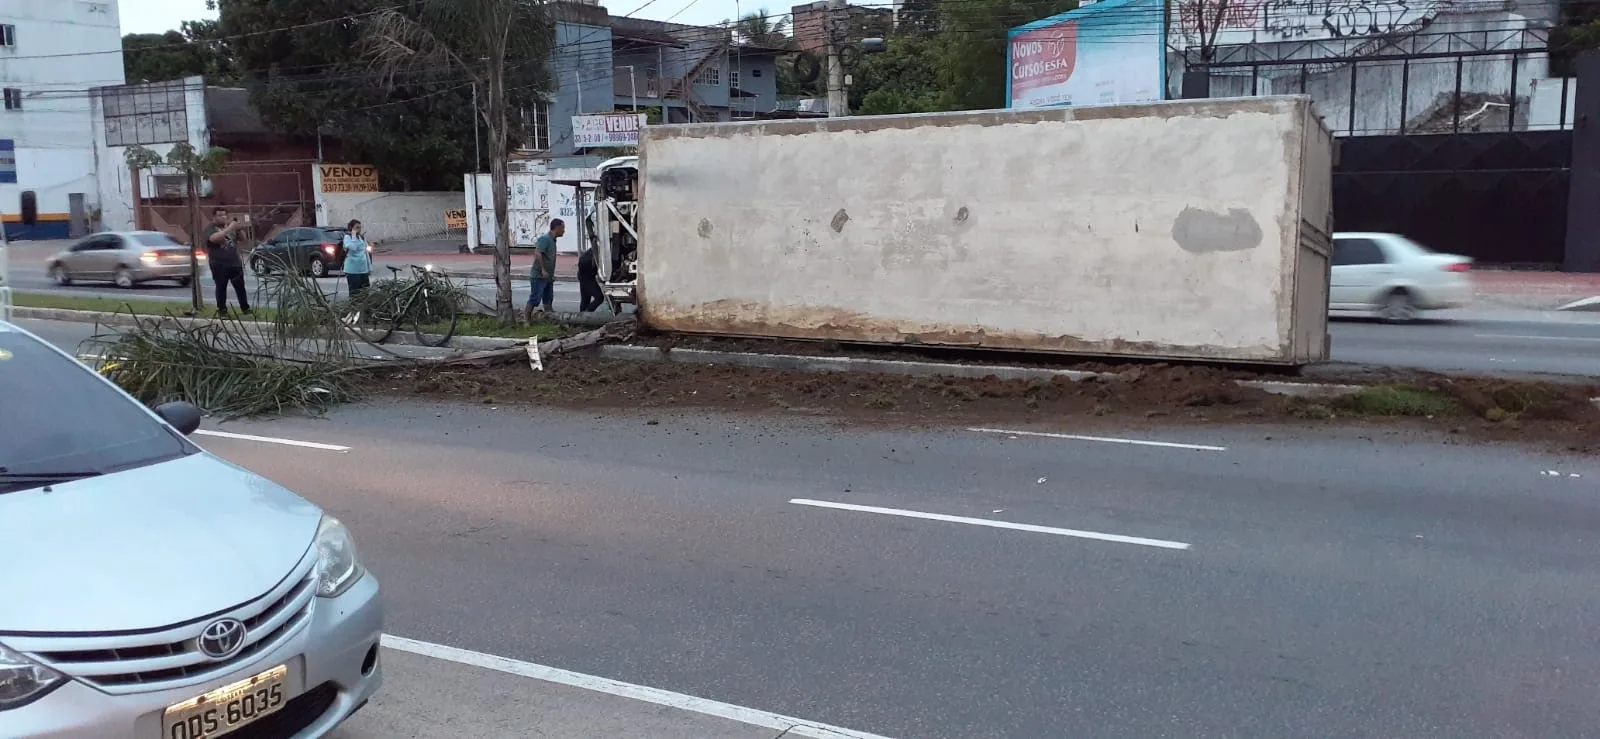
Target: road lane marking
1106 439
754 717
1096 535
1537 338
273 440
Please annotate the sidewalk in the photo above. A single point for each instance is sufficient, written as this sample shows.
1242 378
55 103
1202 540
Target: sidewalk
1535 290
480 265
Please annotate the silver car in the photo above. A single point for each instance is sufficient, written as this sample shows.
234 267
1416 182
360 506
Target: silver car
160 592
125 258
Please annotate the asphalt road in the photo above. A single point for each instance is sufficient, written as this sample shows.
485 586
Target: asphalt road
1501 342
1327 584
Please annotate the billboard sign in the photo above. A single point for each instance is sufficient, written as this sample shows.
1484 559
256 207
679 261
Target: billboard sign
8 162
606 130
348 177
1107 53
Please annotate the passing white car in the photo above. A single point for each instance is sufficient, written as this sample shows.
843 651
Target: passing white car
1394 277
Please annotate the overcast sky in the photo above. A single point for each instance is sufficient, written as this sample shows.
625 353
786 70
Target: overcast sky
156 16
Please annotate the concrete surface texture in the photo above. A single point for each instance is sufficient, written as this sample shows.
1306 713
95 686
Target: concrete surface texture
954 584
1168 233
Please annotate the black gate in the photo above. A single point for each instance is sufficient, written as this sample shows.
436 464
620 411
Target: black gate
1497 197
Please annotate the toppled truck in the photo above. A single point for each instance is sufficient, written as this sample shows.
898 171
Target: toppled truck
1177 230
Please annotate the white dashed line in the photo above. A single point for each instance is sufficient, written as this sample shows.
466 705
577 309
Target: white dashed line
1105 439
1097 536
776 722
273 440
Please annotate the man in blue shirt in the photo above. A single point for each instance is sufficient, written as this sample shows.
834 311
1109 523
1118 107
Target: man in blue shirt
543 275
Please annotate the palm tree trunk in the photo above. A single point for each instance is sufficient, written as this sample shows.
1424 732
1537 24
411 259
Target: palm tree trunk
498 153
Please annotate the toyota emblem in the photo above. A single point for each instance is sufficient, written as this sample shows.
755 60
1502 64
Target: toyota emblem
222 638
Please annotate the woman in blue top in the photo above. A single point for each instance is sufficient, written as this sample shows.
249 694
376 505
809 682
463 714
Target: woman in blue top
357 259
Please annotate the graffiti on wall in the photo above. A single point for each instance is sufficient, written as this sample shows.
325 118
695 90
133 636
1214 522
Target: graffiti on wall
1266 21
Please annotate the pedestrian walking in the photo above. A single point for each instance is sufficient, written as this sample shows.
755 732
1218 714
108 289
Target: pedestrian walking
589 294
357 259
222 253
542 278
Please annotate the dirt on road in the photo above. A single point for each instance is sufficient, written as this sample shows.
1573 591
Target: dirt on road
1484 409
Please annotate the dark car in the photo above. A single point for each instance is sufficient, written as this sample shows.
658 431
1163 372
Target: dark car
314 251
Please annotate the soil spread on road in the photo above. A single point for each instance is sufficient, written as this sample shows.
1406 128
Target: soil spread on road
1552 415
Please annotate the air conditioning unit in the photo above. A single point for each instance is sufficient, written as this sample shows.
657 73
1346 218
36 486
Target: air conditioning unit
171 186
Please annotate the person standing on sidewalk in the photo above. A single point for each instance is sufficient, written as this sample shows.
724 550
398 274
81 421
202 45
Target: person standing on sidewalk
590 295
222 253
357 259
542 278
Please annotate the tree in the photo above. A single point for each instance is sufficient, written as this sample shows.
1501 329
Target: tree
902 79
479 40
758 28
972 48
197 49
194 166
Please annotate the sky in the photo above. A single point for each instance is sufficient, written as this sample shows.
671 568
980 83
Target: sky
157 16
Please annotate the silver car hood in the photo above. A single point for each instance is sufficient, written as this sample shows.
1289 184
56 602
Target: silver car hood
147 547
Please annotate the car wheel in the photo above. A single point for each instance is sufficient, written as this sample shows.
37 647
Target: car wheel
257 264
1398 307
60 275
319 268
123 278
184 281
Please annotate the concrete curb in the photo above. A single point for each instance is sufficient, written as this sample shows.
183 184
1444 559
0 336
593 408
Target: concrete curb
1586 305
800 363
404 338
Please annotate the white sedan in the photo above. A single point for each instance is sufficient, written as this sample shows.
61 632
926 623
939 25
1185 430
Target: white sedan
1395 277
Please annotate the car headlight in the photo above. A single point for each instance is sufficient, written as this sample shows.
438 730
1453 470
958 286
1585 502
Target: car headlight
338 565
23 681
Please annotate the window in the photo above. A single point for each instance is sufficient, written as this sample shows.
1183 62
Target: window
154 239
59 418
1350 252
13 98
8 36
142 115
537 120
733 78
755 73
709 76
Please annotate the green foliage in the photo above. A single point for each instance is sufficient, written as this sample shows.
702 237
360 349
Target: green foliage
182 157
197 49
760 28
318 77
950 55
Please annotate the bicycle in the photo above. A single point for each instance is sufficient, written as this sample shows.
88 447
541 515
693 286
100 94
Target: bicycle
425 303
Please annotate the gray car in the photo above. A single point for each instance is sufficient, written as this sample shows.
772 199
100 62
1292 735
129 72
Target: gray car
125 258
157 591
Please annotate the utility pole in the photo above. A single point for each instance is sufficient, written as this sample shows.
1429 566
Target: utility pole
838 101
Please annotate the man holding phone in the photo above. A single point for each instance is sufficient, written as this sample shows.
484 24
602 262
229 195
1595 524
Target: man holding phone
222 253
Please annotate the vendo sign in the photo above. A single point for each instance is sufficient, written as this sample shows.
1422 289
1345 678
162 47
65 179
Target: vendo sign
607 130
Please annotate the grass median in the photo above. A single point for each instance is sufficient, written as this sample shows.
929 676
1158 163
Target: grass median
101 304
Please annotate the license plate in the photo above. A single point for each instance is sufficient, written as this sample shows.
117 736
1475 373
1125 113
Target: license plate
226 708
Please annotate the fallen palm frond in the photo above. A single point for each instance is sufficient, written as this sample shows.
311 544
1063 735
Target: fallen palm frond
388 300
302 359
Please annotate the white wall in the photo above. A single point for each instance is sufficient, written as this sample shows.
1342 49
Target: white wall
389 216
1545 108
63 49
533 203
1169 229
113 181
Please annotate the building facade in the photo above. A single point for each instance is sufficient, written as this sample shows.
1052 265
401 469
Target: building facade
673 73
52 53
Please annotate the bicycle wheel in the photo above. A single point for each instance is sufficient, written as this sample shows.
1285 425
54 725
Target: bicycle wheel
431 323
374 326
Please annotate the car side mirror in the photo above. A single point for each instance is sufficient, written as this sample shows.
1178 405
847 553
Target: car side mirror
183 416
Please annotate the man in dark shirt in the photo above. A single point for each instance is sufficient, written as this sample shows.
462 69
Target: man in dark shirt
222 253
589 294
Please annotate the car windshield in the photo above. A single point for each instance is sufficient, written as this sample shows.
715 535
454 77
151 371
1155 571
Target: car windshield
58 419
155 240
